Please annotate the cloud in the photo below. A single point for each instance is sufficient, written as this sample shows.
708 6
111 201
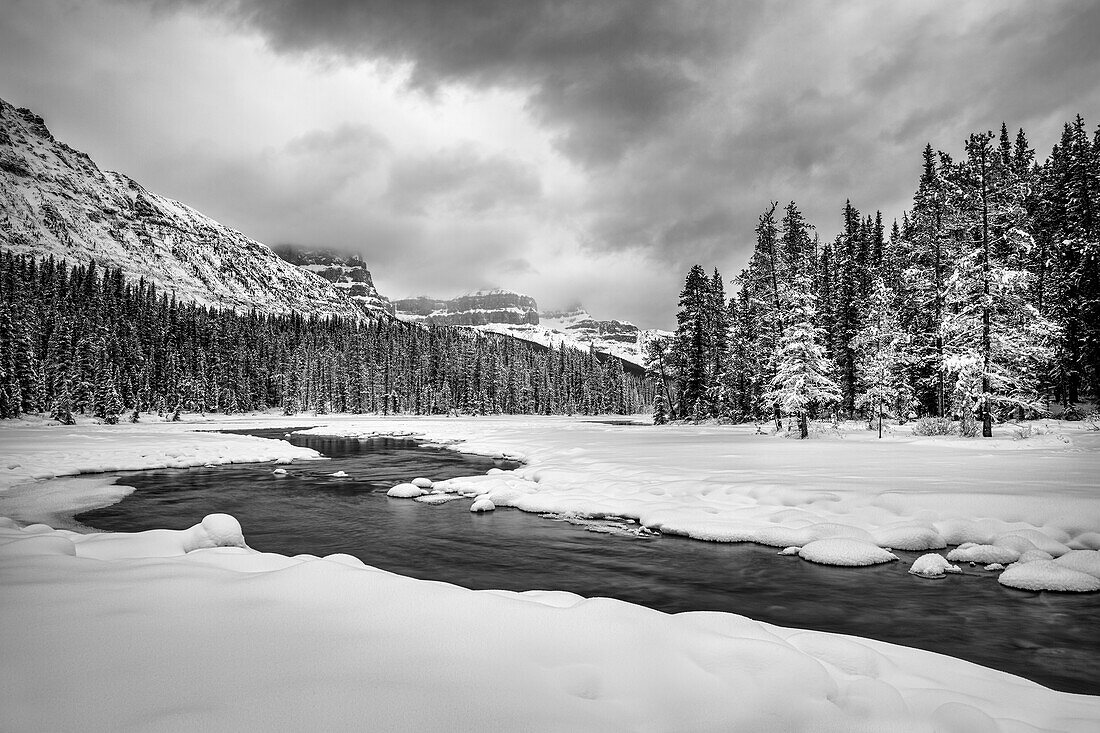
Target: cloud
570 143
461 180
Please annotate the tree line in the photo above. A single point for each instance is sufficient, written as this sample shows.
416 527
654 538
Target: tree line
982 304
83 339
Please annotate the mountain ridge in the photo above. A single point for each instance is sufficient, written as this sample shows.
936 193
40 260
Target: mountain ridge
55 200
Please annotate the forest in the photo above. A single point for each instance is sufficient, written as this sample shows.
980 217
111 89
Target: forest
982 304
82 339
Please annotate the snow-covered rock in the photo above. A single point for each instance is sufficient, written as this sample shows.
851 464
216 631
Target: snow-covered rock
482 504
932 566
845 551
348 273
339 474
405 491
423 483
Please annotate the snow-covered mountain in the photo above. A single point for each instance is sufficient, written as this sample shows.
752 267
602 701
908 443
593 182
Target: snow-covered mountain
349 273
514 314
481 308
56 200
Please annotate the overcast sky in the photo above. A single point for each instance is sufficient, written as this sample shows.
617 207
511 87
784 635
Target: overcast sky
574 150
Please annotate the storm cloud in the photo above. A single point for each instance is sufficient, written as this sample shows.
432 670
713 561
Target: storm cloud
559 146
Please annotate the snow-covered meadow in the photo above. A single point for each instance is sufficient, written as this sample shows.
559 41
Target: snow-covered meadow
170 630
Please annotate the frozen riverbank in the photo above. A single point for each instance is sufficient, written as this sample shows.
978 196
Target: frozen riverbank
135 631
842 498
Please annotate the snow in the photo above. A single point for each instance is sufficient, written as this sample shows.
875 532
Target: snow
405 491
1085 561
422 483
482 504
984 554
1047 575
191 629
843 551
339 474
141 632
932 566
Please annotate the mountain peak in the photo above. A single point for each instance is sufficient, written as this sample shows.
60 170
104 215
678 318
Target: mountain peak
54 200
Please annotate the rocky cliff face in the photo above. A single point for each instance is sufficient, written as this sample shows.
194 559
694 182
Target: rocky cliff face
347 272
482 308
580 324
55 200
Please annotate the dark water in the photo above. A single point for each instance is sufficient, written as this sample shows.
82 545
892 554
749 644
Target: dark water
1051 638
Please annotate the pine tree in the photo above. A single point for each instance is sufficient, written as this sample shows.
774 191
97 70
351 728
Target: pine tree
879 347
693 341
801 383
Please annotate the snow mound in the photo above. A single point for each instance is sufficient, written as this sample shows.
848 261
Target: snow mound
1034 556
483 504
215 530
1083 561
845 551
793 550
1023 540
405 491
932 566
994 566
38 545
1048 575
279 472
984 554
909 537
422 483
339 474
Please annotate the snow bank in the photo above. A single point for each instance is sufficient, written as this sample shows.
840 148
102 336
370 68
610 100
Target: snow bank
728 484
31 452
841 551
134 632
983 554
932 566
1047 575
1084 561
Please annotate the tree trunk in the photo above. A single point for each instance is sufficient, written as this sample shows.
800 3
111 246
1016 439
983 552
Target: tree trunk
803 426
880 420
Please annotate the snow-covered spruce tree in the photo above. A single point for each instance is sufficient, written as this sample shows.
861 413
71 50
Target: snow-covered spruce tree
1067 214
801 384
61 409
880 356
997 346
926 252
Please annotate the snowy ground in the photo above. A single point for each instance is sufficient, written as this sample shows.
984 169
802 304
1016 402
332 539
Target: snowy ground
192 630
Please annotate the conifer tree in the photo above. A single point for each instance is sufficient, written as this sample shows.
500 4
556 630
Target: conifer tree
801 383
